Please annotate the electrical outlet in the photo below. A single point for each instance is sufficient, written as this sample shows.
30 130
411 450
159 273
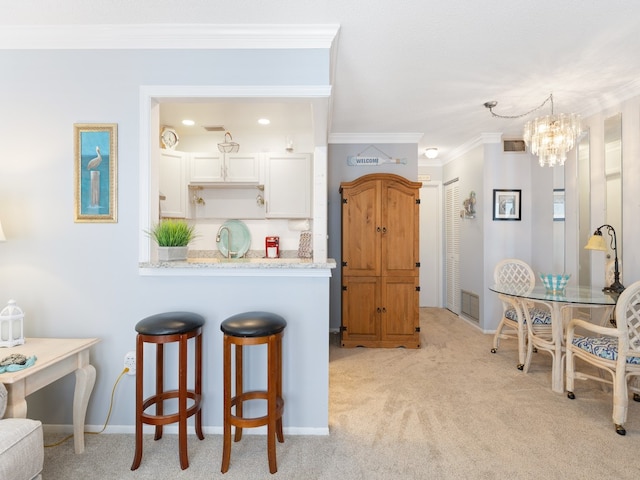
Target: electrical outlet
130 362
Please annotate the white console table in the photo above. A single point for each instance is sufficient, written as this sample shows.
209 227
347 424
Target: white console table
56 357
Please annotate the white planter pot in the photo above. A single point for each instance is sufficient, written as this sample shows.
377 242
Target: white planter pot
172 254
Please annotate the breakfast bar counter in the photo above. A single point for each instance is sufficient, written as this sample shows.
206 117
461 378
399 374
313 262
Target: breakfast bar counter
211 263
295 288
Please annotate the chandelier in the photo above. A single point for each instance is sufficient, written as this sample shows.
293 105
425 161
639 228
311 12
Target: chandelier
549 137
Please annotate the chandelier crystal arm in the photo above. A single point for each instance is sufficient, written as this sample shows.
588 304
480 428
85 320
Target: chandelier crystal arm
492 105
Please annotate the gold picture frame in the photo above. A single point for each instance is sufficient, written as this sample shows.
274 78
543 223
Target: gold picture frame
95 170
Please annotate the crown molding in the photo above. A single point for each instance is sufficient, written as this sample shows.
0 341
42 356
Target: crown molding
482 139
166 36
374 137
175 92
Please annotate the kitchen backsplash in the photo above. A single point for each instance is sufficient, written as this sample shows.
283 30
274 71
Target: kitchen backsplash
288 231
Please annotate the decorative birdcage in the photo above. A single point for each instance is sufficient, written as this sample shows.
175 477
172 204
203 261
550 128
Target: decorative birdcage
228 146
11 325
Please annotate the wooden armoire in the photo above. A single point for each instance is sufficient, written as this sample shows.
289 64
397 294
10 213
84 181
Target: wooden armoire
380 262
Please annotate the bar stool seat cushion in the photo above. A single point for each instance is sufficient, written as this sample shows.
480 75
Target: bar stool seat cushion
253 324
169 323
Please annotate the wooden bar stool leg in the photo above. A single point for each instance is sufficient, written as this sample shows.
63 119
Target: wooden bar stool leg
137 458
198 386
159 386
182 402
279 431
226 444
272 385
239 390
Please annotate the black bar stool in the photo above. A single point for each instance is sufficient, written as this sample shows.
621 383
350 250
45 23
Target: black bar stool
245 329
160 329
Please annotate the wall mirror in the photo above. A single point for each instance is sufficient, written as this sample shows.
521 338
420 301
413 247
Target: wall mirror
613 188
558 219
584 209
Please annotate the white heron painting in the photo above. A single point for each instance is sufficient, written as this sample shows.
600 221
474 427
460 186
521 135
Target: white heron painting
95 169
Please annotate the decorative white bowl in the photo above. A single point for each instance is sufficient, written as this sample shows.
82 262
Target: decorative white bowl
555 282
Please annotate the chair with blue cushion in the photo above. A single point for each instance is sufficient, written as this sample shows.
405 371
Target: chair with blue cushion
615 350
515 272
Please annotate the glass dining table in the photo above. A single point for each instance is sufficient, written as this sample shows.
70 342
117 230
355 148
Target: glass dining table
560 303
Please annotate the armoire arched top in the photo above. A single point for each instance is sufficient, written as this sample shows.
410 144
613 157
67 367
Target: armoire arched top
380 176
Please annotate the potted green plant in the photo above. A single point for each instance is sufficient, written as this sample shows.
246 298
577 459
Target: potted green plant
173 238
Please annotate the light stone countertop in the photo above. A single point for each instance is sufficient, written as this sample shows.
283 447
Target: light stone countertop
212 259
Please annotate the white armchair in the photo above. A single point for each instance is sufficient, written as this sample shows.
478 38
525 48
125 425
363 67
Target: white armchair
21 445
516 272
615 350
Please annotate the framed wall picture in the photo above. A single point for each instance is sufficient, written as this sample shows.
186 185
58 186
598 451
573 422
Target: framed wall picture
506 204
95 167
558 204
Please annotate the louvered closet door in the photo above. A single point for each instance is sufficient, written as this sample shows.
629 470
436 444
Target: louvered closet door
452 245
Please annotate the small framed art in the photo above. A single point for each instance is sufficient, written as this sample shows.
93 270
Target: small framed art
95 171
506 204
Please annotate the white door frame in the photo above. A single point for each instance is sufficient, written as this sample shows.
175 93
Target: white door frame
431 244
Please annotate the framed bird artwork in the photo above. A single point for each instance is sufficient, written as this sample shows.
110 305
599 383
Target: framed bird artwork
96 159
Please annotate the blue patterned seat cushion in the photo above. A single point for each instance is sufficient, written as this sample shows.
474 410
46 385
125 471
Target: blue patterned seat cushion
603 347
539 316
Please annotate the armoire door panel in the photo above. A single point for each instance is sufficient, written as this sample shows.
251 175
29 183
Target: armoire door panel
361 231
400 213
360 305
400 312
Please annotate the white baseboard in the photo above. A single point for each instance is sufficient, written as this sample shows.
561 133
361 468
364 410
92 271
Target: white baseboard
173 430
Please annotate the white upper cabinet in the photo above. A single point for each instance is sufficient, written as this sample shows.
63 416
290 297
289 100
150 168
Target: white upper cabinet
173 184
287 185
219 167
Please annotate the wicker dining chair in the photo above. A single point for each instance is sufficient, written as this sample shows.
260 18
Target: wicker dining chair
615 350
515 272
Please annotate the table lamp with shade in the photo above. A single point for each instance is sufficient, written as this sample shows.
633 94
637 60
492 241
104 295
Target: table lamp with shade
2 237
596 242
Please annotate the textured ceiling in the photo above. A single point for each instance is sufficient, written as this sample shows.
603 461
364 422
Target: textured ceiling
420 66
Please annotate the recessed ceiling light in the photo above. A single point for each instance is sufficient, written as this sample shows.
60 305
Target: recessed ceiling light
188 123
264 121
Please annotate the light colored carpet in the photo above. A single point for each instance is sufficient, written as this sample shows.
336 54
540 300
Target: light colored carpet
450 410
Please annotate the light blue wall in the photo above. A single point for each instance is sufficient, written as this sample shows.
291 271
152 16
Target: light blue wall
82 280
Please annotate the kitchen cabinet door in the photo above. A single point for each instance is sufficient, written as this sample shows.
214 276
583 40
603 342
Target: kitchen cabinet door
206 167
242 167
216 167
287 186
172 184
